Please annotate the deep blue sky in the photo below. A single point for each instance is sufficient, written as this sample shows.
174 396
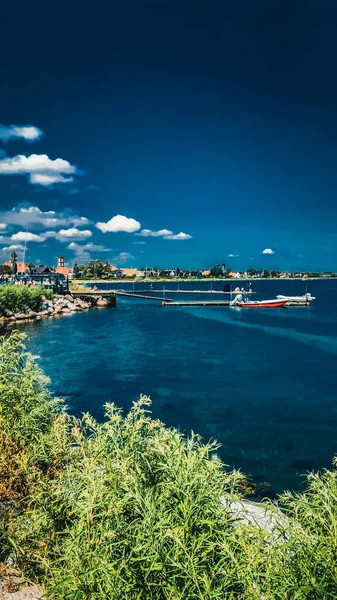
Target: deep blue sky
216 119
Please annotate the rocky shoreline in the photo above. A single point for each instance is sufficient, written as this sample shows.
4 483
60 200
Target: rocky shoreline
60 305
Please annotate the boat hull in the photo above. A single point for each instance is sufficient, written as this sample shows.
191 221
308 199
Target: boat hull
264 304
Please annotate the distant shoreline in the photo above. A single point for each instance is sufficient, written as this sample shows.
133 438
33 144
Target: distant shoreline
187 279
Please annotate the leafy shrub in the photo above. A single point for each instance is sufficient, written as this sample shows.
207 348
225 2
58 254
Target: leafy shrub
129 510
18 298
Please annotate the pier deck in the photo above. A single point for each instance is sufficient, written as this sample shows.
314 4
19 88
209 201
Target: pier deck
198 303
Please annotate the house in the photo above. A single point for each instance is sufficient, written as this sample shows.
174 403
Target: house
41 270
21 266
129 272
167 273
116 273
205 273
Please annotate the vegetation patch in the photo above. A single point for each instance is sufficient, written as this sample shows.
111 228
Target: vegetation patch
128 509
19 298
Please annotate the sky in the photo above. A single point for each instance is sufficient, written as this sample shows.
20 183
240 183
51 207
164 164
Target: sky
170 133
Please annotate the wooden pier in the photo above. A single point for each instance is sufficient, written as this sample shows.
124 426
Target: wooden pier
113 293
198 303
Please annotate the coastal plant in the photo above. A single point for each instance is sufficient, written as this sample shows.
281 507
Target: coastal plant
128 509
19 298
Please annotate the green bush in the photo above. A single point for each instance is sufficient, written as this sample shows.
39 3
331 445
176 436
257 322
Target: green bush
129 509
18 298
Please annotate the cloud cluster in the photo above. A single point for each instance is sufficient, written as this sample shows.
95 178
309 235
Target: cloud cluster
268 251
64 235
27 132
40 168
119 223
33 217
233 255
164 233
27 236
150 233
88 247
178 236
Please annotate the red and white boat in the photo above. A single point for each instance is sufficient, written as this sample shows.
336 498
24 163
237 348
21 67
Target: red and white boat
241 303
264 303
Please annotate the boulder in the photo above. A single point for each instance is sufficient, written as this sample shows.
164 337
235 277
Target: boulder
69 298
20 316
66 310
102 303
38 317
7 312
44 305
58 310
31 314
50 304
50 310
12 318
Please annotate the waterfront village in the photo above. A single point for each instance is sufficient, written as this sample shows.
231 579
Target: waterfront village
96 269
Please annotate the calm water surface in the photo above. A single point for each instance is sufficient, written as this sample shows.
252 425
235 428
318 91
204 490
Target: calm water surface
263 383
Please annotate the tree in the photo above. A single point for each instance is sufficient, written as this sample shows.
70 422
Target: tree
251 272
216 271
95 269
107 269
274 274
76 271
5 270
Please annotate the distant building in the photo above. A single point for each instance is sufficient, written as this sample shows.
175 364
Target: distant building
129 272
21 267
62 269
205 273
67 271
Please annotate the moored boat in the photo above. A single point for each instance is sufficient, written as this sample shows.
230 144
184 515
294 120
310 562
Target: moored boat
305 299
264 303
241 303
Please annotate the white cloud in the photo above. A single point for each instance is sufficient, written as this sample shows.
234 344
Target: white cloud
123 257
41 169
233 255
27 132
3 226
64 235
139 243
159 233
32 216
119 223
22 236
268 251
89 247
178 236
12 247
46 180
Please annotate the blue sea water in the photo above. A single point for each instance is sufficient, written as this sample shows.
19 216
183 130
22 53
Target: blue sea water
263 383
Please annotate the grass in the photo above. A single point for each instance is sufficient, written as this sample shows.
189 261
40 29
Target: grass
19 298
128 509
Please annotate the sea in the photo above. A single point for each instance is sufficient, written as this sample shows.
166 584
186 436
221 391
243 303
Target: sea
263 383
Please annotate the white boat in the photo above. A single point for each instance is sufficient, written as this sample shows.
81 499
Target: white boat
305 299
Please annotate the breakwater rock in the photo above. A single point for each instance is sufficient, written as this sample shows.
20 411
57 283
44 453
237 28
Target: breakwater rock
60 305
